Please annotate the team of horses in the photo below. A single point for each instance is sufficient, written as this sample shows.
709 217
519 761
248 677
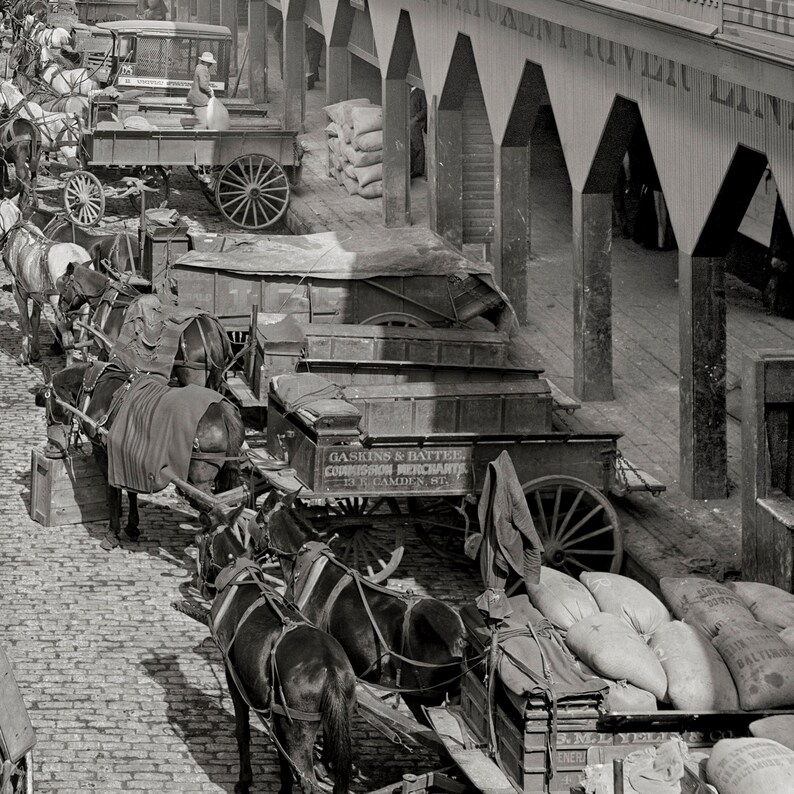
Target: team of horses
292 654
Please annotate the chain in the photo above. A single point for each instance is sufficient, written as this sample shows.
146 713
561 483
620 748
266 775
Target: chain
634 470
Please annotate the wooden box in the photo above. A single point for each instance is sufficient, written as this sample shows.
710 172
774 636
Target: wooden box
67 491
161 247
420 409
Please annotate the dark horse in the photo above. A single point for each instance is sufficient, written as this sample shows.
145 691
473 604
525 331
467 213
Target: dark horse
205 347
19 142
279 665
119 249
217 445
411 644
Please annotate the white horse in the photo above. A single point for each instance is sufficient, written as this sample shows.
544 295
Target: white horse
59 131
65 82
45 36
36 263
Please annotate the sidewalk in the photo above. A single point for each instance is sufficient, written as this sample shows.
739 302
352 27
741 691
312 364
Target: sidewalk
667 535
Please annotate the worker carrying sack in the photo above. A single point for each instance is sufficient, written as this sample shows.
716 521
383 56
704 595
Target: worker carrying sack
751 766
703 603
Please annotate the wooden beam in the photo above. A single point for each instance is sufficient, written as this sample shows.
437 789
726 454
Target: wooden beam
702 341
204 11
396 154
257 51
294 74
337 74
448 210
229 19
512 224
592 299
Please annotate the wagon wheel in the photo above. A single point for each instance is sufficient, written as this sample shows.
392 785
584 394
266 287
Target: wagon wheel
375 551
396 319
441 522
153 177
577 524
84 199
252 191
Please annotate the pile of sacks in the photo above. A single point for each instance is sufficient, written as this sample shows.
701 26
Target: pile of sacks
728 648
355 146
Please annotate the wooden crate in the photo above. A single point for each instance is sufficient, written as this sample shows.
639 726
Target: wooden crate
68 491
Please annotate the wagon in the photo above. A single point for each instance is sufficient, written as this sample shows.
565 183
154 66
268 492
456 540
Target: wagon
17 737
418 452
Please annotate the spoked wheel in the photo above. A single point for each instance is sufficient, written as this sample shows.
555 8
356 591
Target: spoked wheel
153 177
84 199
252 192
397 320
441 523
577 524
361 543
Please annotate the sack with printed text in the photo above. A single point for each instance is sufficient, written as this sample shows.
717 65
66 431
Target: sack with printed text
703 603
769 604
751 766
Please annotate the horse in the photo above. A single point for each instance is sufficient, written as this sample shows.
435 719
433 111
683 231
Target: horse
316 682
43 35
120 249
205 347
19 142
60 132
216 450
23 9
410 644
36 264
65 82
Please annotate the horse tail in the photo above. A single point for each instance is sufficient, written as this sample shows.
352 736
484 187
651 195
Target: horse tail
336 722
229 475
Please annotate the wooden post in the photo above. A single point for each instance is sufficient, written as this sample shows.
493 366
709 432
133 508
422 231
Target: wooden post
592 297
204 11
229 20
294 73
337 74
396 154
448 166
512 224
430 162
702 340
257 51
183 10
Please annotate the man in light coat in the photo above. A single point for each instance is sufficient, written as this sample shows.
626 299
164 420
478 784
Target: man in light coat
201 91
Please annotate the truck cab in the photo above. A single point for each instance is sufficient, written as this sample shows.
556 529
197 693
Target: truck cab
155 57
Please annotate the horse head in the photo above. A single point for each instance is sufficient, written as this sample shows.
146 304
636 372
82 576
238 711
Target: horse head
60 389
277 531
80 285
225 539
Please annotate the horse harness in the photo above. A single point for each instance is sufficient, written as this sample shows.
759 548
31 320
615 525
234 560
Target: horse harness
229 583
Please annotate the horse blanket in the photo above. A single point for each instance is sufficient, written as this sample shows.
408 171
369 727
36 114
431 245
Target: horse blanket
149 337
151 440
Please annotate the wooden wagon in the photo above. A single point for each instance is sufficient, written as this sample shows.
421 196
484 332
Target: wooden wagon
17 737
246 172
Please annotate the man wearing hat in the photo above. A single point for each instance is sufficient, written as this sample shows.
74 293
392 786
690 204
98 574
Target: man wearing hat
201 92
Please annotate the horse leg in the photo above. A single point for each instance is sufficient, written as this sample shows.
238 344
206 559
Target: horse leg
132 518
24 323
111 539
35 321
242 732
297 739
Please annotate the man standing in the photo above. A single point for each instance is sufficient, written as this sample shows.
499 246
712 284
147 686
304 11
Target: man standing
201 91
418 111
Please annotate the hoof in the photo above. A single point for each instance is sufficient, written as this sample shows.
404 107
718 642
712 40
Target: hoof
35 358
23 360
240 789
56 348
133 533
110 542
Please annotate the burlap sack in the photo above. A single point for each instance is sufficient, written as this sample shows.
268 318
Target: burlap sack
611 648
629 699
369 173
217 115
362 159
366 119
369 141
769 604
703 603
787 635
561 599
751 766
762 665
779 728
372 190
627 599
337 112
697 677
350 184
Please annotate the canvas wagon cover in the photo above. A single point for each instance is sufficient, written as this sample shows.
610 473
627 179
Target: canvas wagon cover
414 251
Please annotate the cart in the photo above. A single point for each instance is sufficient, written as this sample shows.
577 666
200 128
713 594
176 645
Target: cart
418 452
17 737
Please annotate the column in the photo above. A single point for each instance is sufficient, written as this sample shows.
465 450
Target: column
447 188
204 11
294 73
257 51
512 224
592 298
337 74
229 20
702 341
396 154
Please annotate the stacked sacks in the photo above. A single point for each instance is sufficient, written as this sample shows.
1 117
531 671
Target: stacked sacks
769 604
355 146
751 766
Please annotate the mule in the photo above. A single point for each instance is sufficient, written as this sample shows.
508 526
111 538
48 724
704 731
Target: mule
59 132
36 265
316 680
119 249
214 464
410 644
65 82
205 348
